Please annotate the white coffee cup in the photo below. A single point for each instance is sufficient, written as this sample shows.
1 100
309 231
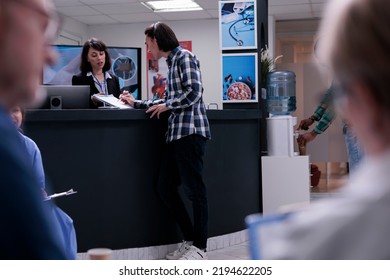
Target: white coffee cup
100 254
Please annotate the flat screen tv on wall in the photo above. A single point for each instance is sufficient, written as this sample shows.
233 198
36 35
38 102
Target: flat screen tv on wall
125 64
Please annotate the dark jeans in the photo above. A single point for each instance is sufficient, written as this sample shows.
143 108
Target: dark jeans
182 164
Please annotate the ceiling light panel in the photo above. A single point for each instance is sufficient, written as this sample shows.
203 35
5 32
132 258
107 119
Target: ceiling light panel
172 6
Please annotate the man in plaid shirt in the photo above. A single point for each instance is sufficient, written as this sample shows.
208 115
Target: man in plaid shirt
324 115
188 131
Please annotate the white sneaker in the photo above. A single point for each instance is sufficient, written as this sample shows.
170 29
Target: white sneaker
177 254
194 253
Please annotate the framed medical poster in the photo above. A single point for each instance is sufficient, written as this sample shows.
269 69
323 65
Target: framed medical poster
237 25
156 73
239 77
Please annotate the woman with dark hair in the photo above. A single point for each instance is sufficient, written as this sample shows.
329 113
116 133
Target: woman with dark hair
95 65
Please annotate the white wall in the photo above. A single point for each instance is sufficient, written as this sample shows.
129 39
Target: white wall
73 32
205 45
294 40
271 36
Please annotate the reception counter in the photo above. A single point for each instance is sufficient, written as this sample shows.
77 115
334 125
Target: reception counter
111 158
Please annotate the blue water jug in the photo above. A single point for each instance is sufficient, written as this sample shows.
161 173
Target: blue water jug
281 92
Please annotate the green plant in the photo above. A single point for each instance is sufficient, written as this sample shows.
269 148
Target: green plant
267 64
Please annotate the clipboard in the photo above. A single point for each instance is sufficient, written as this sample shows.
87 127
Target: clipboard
70 192
112 100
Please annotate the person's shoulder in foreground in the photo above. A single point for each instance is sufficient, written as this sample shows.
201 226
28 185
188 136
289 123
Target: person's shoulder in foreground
353 223
26 230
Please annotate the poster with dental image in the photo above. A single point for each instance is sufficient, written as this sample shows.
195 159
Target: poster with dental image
237 25
239 78
157 73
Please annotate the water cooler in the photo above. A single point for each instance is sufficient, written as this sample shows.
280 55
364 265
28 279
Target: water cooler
285 174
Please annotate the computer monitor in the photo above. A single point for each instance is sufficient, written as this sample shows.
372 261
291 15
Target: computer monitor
65 97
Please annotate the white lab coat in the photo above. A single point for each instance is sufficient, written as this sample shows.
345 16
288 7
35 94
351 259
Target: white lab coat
355 224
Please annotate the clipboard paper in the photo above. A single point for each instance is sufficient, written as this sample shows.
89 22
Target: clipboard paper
70 192
112 100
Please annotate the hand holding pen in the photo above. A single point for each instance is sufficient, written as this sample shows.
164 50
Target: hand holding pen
127 98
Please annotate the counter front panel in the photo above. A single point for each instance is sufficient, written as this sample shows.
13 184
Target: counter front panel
112 157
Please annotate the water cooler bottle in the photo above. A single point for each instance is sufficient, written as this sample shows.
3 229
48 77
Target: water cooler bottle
285 175
281 102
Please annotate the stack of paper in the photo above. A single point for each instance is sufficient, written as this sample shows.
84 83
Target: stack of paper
112 100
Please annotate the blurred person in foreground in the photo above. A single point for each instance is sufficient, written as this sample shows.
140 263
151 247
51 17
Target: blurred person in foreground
27 28
60 218
355 223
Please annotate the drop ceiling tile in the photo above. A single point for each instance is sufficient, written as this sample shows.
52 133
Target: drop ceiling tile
64 3
213 13
97 19
185 15
318 14
208 4
293 16
98 2
286 2
140 17
318 7
117 9
289 9
77 11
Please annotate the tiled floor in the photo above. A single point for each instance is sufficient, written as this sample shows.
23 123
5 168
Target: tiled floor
232 246
235 252
332 178
328 186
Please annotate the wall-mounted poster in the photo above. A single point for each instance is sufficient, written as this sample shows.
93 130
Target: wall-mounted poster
239 77
157 71
237 25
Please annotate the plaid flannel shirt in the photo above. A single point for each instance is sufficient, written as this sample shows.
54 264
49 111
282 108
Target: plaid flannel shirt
183 96
324 114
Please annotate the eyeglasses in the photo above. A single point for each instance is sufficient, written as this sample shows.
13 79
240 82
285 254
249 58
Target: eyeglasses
55 20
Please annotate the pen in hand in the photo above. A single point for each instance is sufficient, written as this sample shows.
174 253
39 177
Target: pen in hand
127 98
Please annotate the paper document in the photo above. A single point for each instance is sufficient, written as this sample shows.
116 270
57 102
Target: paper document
70 192
112 100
